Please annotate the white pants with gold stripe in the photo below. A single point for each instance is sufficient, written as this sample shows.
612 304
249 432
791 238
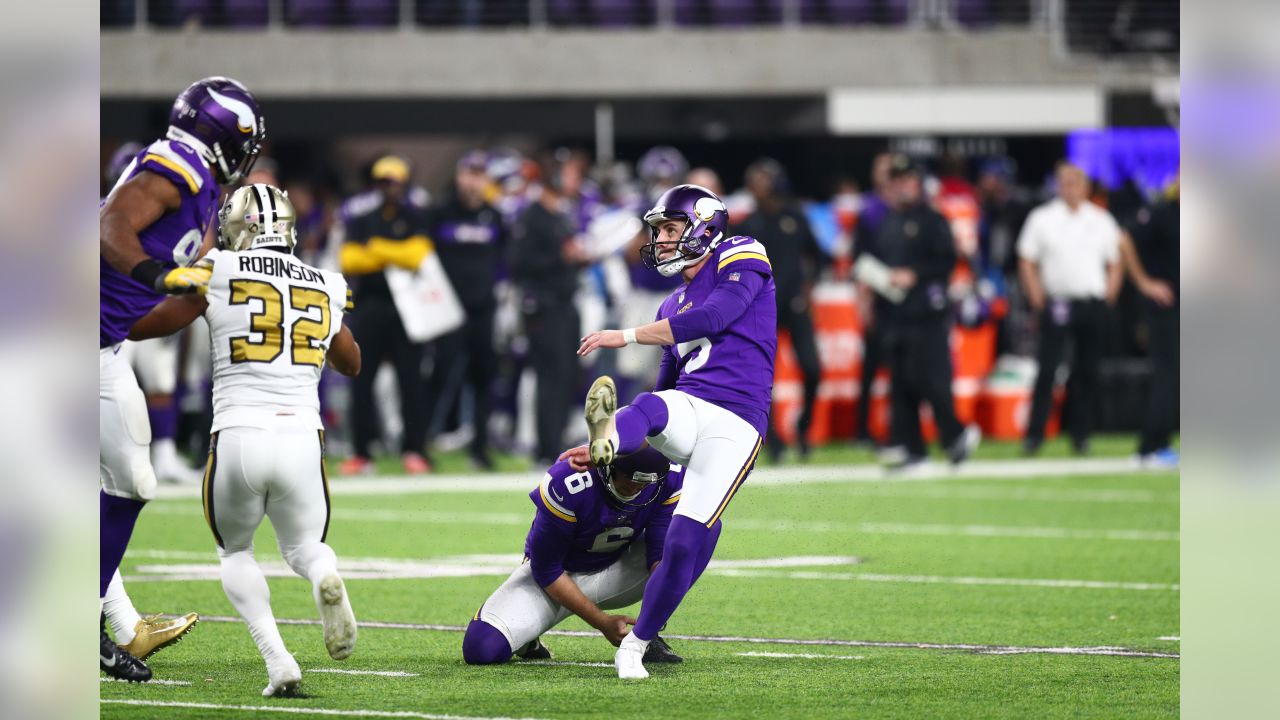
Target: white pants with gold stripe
277 472
521 610
717 448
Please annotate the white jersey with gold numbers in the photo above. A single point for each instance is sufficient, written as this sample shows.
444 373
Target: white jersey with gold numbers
271 319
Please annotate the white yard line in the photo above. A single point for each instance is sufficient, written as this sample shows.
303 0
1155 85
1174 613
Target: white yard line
565 662
980 649
299 710
810 656
947 580
153 681
791 475
378 673
1170 638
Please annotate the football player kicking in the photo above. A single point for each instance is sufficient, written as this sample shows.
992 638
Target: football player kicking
273 322
152 226
710 407
596 538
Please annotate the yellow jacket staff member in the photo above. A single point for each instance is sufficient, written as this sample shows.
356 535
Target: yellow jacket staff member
384 230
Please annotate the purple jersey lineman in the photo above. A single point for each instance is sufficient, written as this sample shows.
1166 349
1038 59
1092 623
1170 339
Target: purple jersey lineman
174 239
578 528
734 368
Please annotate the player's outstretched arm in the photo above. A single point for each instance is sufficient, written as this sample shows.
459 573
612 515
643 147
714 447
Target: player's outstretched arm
169 317
655 333
129 209
566 592
344 353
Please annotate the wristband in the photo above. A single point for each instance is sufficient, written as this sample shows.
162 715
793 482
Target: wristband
148 272
629 336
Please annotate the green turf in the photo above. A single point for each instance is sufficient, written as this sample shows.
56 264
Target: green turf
866 520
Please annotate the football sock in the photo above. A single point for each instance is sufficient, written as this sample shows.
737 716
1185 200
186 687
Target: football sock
484 644
645 416
117 516
685 555
246 588
120 611
164 421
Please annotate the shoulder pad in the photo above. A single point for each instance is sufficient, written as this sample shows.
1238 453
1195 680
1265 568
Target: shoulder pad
743 252
673 485
177 162
561 491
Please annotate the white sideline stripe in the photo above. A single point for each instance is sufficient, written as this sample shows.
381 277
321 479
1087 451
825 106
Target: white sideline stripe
400 569
864 473
301 710
813 656
428 517
379 673
153 681
948 580
565 662
1105 650
1170 638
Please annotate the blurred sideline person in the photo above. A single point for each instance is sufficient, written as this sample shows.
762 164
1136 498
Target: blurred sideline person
469 235
389 233
546 257
710 407
781 226
915 241
1069 264
597 536
1152 259
152 225
275 321
874 209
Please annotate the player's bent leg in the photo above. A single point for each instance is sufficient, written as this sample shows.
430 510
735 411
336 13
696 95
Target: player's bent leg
246 588
141 637
519 610
128 480
299 511
483 644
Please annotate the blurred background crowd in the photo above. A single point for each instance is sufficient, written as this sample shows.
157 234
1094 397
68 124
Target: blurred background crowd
970 206
542 244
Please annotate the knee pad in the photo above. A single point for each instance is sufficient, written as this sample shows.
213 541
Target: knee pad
483 644
144 479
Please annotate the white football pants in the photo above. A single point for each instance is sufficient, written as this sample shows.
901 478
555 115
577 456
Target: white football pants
717 448
521 610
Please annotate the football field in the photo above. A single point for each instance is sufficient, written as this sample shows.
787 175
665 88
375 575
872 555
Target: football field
1044 588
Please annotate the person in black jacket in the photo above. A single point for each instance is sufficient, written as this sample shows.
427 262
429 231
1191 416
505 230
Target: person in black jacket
470 237
915 242
546 257
780 224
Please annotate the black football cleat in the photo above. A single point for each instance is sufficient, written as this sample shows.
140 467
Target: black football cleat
534 650
660 652
119 664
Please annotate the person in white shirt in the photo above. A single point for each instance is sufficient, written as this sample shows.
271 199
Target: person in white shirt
1069 264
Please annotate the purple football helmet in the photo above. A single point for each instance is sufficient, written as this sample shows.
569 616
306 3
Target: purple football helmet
706 220
644 467
662 163
219 118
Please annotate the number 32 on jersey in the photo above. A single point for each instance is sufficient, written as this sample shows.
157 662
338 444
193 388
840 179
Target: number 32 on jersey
306 335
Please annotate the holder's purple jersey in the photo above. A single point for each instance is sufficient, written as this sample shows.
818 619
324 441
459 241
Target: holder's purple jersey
734 368
589 532
174 239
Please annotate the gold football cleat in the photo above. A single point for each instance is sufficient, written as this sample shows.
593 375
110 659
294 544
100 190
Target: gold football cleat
153 634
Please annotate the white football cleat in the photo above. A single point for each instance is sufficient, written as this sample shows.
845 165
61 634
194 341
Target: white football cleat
602 403
283 677
629 659
336 616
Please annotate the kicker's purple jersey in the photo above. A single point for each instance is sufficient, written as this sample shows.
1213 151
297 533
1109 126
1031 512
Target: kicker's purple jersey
576 508
174 239
732 369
